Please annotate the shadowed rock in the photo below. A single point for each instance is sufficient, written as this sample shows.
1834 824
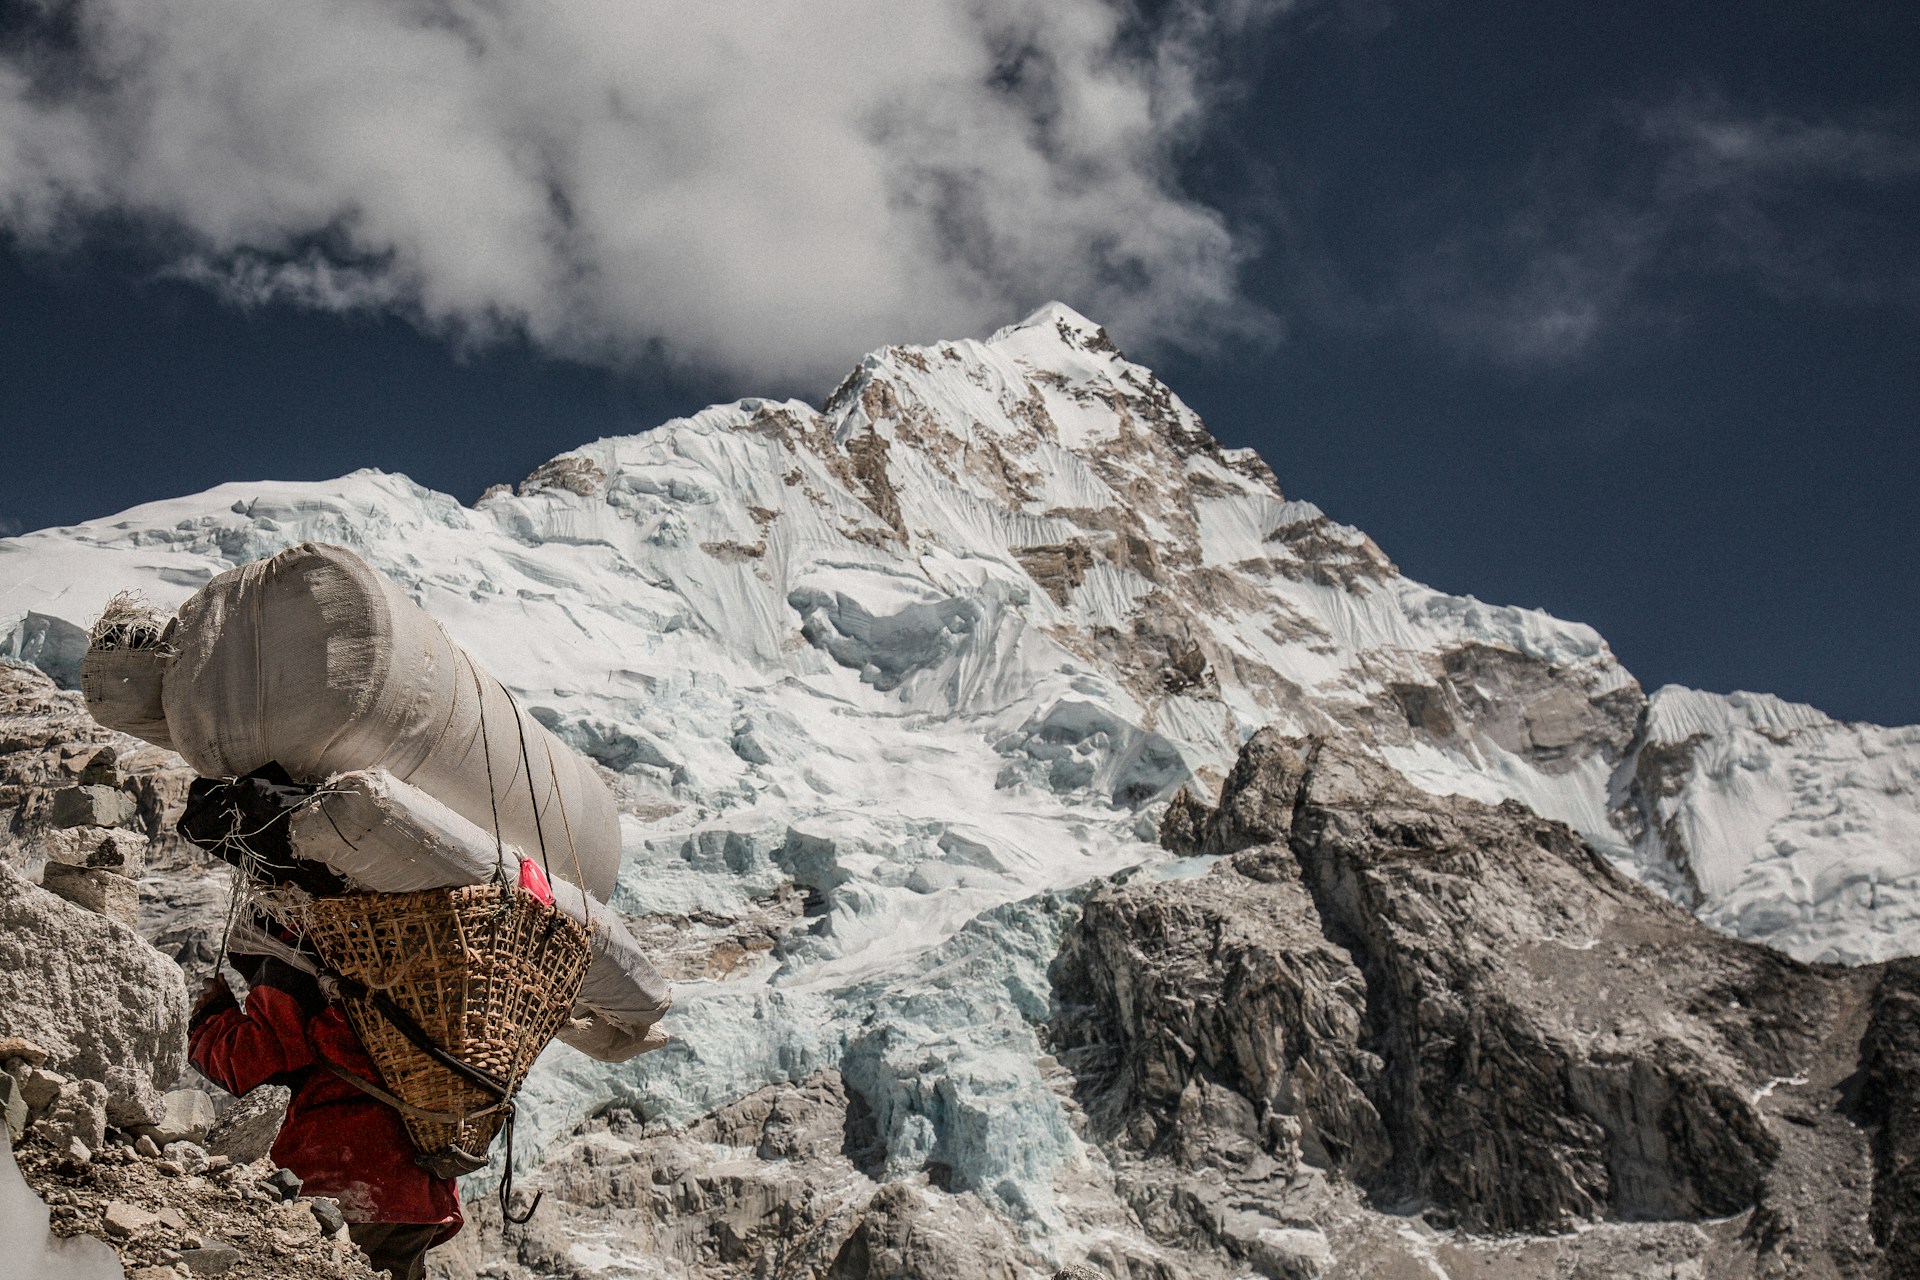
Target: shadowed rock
1464 1008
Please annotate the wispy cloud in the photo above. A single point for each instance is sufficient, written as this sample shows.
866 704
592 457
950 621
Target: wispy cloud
1594 236
757 189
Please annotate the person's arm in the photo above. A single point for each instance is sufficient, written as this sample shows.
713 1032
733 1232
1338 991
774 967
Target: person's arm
239 1050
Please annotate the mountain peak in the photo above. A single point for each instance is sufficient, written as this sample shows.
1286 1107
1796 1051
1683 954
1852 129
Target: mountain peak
1059 323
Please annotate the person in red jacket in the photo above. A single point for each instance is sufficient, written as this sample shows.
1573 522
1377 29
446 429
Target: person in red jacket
338 1140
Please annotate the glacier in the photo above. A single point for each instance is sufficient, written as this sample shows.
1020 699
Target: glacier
903 673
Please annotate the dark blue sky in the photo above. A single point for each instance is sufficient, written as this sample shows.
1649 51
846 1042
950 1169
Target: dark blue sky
1608 309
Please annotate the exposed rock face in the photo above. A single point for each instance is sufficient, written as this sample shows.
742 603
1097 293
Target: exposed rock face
1550 717
47 743
1892 1102
1464 1007
87 989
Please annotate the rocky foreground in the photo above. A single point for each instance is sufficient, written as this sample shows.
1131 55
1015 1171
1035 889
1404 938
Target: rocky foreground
103 1119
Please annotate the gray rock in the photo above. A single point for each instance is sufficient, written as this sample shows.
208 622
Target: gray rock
104 892
40 1087
123 1220
1257 801
80 1111
13 1106
187 1116
190 1156
131 1099
283 1182
326 1212
247 1130
100 770
1892 1102
105 849
86 989
147 1147
211 1258
92 806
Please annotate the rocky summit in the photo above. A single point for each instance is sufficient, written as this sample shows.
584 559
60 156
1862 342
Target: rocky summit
1071 850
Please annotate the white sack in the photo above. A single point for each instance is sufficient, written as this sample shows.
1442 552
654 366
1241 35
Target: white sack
123 688
314 660
389 837
609 1041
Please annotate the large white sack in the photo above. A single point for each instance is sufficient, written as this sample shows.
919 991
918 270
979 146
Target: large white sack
388 837
315 660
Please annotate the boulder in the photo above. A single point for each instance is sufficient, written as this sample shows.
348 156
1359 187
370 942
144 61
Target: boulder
123 1220
326 1212
40 1087
87 989
100 770
246 1132
79 1113
211 1258
103 848
20 1049
92 806
132 1099
102 892
187 1117
190 1156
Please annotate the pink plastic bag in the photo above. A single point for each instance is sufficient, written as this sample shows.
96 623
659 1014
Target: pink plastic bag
534 881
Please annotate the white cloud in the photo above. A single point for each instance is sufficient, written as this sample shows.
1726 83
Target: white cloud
761 189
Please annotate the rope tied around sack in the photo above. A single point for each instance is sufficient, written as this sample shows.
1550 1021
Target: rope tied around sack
506 897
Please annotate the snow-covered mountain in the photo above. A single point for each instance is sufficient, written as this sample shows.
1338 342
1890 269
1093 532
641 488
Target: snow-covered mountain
877 677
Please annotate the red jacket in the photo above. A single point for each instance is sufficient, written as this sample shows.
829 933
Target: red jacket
340 1142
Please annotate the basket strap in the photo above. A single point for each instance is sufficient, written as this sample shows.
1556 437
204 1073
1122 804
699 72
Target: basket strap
485 1081
405 1108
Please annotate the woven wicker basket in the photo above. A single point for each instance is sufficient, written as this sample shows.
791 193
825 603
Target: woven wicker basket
488 973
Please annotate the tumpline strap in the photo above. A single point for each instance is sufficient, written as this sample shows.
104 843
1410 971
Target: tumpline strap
404 1107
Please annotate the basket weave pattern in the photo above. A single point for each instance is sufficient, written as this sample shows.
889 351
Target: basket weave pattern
488 973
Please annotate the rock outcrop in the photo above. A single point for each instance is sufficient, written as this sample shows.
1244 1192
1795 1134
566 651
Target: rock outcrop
1464 1010
1891 1103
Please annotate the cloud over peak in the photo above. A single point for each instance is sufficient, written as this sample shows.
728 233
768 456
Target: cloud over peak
763 190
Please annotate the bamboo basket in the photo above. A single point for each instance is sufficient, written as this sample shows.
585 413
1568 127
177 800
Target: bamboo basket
487 972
